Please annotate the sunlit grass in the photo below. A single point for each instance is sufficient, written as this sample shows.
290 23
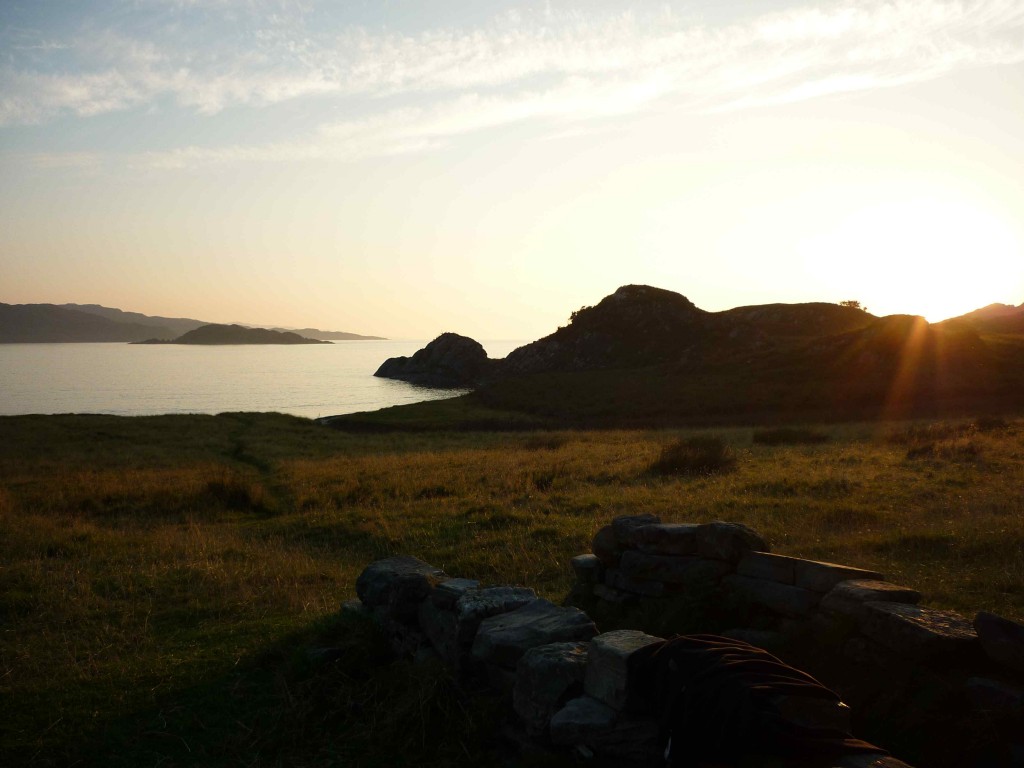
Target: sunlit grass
144 557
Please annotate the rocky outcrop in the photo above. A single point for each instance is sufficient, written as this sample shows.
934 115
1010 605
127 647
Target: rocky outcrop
448 361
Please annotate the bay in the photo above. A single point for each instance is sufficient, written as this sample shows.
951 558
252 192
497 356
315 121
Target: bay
133 380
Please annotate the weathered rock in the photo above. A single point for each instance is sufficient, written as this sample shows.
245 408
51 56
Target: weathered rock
847 598
588 569
780 598
1002 639
995 696
672 570
728 541
441 628
625 527
580 719
822 577
503 639
396 585
918 632
617 579
478 604
606 547
608 674
450 360
761 565
546 676
667 538
447 592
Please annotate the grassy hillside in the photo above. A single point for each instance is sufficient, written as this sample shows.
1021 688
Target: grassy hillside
165 577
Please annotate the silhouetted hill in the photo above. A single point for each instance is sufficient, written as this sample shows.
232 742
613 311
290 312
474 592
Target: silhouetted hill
648 357
235 334
49 323
995 318
169 326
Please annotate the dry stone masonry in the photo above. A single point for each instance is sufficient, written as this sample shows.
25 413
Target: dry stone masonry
570 671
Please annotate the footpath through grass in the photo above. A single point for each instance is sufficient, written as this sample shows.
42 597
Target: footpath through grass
162 578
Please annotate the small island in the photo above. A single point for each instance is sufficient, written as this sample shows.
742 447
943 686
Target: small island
234 334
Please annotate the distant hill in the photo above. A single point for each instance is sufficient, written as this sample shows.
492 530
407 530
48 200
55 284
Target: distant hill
235 334
44 323
645 356
316 333
41 323
995 318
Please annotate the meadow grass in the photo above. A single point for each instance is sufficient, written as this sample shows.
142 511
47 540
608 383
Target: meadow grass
162 577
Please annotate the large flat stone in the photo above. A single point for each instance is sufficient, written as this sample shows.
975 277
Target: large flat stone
608 673
667 538
822 577
396 585
448 591
478 604
625 527
780 598
580 719
672 570
546 677
847 598
1002 639
503 639
917 632
728 541
762 565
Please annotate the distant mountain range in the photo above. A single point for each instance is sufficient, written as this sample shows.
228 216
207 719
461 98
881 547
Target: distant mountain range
645 356
48 323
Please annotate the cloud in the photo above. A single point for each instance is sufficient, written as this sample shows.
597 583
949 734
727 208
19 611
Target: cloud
411 92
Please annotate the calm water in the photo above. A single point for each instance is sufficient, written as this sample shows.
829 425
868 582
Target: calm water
125 379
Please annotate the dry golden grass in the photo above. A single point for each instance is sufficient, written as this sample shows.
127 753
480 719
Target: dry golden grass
132 575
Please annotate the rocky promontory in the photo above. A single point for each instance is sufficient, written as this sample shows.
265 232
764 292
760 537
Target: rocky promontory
449 361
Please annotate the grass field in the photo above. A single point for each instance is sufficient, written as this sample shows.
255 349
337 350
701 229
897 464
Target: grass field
164 577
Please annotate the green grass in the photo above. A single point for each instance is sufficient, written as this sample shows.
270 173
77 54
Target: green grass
161 578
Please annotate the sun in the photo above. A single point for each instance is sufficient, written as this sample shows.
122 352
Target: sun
925 256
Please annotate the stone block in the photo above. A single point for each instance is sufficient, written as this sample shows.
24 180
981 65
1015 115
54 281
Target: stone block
995 696
822 577
667 538
448 591
919 633
579 719
780 598
606 547
617 579
478 604
608 674
847 598
396 586
503 639
624 528
1001 639
614 596
761 565
673 570
587 568
546 676
728 541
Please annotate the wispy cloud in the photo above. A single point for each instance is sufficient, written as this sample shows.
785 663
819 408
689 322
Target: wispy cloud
411 92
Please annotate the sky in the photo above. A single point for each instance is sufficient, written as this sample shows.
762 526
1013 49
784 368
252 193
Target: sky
404 168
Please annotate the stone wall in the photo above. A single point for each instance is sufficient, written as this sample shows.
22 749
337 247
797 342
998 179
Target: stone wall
567 669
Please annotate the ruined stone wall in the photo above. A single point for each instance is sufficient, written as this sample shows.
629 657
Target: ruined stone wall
904 668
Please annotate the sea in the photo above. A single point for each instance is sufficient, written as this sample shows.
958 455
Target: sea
309 380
